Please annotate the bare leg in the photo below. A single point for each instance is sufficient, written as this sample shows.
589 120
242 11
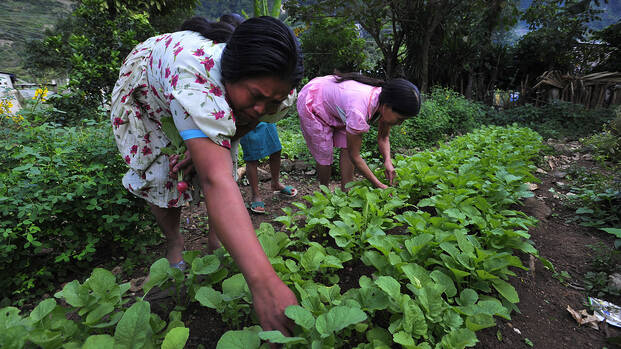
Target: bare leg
347 168
168 220
324 174
275 171
213 242
253 178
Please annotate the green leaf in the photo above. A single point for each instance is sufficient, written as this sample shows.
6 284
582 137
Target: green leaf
337 319
243 339
74 294
98 313
234 287
209 297
301 316
583 210
43 309
480 321
404 339
100 341
279 338
459 338
205 265
468 297
413 318
445 281
158 274
132 330
391 286
171 132
176 338
506 290
614 231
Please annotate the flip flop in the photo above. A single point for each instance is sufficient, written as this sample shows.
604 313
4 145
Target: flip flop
288 191
255 205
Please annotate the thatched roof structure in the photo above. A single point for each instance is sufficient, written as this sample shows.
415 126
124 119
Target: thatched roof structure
592 90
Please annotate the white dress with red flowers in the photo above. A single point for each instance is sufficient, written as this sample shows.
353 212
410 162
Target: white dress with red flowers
178 75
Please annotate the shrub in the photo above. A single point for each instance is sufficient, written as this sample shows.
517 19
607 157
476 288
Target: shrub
61 201
606 145
444 113
73 109
554 120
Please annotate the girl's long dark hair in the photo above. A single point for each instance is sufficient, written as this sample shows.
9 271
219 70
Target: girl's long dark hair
260 46
399 94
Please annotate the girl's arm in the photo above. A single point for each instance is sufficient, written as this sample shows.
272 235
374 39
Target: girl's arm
230 219
354 143
383 143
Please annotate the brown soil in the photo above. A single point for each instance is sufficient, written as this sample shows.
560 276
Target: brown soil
543 320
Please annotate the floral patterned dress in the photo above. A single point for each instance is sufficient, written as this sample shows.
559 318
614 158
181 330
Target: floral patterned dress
176 74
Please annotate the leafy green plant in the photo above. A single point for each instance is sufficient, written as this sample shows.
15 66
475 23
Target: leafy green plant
444 113
554 120
606 145
617 233
101 317
596 197
439 250
61 201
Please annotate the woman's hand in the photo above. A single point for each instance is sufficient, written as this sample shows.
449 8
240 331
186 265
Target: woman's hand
186 165
270 298
390 172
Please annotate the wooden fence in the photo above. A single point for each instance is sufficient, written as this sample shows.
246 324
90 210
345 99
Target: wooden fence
592 90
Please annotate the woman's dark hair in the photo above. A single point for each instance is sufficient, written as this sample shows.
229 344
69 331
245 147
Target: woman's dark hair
216 31
262 46
257 47
232 18
399 94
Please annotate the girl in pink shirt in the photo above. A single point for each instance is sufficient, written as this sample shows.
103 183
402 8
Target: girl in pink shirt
336 110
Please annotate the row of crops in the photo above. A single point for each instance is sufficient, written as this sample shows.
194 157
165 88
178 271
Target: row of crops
436 252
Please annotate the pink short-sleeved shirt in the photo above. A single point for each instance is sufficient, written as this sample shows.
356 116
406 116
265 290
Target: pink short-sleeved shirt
329 110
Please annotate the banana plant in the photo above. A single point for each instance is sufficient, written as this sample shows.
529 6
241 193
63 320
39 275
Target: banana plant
261 8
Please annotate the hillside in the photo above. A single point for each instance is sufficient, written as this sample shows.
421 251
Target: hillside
21 21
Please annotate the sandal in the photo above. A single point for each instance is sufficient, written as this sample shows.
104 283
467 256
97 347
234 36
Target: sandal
257 207
288 191
181 265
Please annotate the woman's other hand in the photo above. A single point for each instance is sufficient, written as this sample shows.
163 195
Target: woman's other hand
390 172
185 164
270 299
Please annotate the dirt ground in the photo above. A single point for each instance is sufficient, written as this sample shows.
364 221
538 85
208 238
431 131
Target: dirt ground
544 321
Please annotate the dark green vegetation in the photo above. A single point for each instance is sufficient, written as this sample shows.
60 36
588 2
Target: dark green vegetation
61 206
447 226
439 245
436 251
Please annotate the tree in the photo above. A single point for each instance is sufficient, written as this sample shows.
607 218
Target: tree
332 44
377 17
100 35
558 29
467 53
610 38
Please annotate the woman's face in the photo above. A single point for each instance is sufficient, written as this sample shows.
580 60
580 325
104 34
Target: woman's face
390 116
254 97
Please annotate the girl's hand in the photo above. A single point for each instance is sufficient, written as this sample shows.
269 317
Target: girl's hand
186 165
390 172
270 298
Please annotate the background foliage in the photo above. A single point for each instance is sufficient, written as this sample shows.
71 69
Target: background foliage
62 207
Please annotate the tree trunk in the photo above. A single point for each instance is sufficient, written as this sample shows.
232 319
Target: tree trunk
468 91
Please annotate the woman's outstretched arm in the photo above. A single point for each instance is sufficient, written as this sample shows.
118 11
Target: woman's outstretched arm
230 219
